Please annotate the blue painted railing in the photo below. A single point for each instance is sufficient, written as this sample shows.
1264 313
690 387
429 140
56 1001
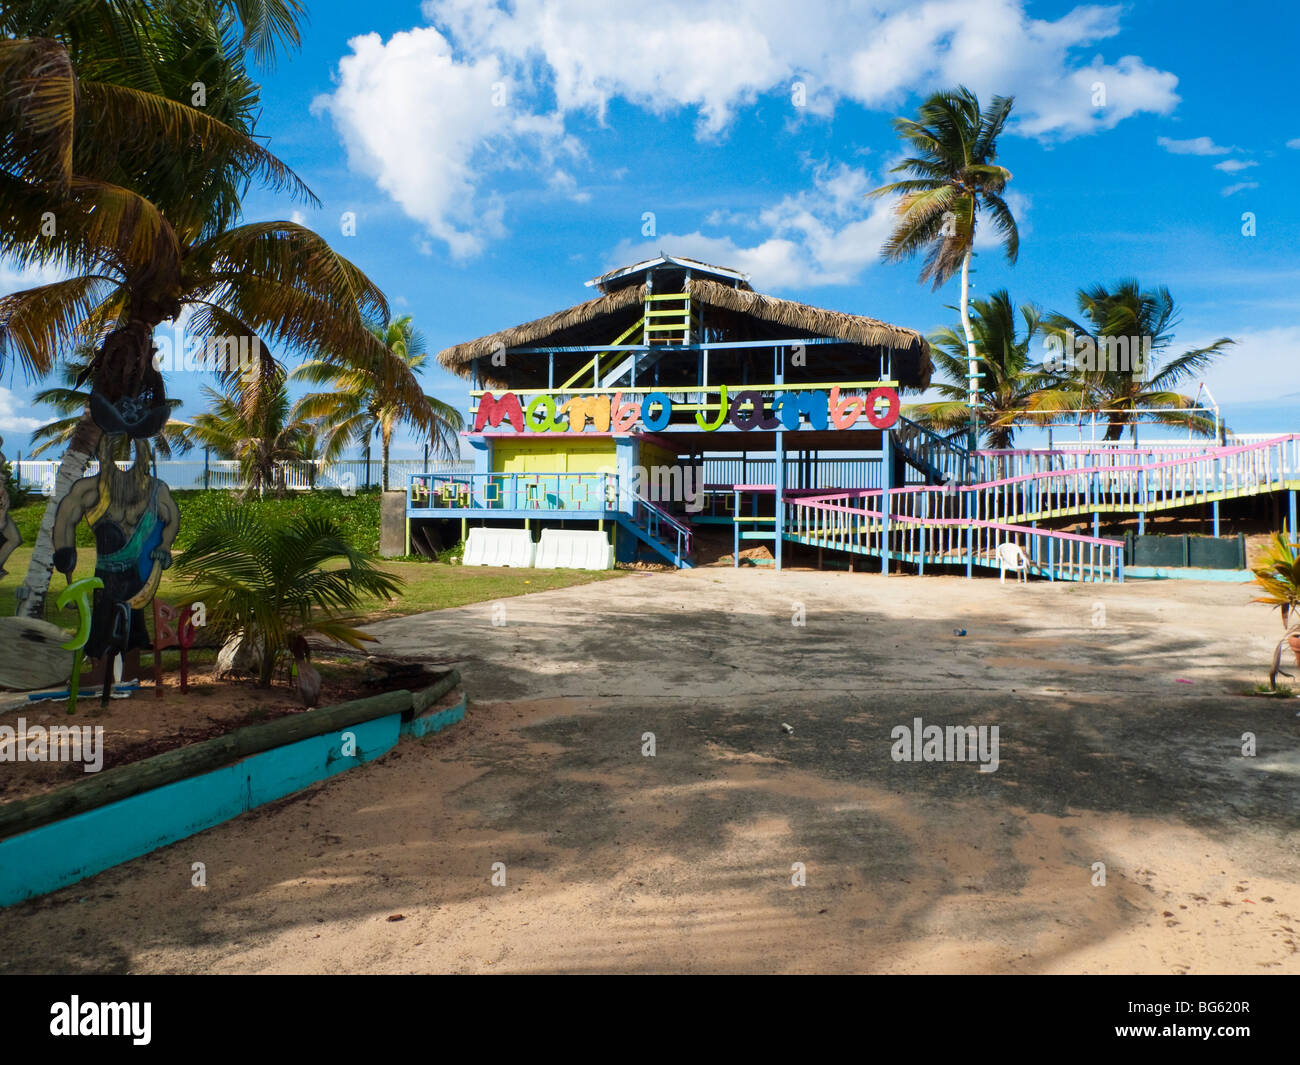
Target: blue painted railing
941 458
674 537
595 493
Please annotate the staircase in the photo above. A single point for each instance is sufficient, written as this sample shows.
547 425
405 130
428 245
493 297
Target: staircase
669 319
959 519
669 536
936 458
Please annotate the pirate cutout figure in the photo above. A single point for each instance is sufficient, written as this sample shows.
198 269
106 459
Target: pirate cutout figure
134 519
9 537
127 395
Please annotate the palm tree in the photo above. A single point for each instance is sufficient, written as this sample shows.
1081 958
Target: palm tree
274 581
1013 389
267 25
952 179
257 432
70 402
359 402
145 191
1278 574
1129 320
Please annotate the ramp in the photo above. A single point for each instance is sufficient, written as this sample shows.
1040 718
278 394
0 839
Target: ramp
500 547
572 549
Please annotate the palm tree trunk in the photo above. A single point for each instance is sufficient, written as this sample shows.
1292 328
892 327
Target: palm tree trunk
267 669
972 393
386 438
81 446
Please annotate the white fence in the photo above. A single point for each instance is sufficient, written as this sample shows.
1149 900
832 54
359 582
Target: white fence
298 476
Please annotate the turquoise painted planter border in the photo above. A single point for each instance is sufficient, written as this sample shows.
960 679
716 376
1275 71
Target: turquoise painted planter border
63 852
1170 573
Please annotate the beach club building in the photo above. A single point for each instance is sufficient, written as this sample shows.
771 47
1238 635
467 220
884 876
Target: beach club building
681 417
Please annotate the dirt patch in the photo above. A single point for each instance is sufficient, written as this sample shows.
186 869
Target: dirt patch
1124 831
143 725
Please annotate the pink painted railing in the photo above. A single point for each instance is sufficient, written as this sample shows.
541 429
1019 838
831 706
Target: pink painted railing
1114 481
1277 456
848 523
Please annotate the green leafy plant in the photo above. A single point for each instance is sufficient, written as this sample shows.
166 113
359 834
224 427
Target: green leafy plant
1282 691
361 403
19 495
252 425
273 581
952 180
1129 313
1012 390
1278 574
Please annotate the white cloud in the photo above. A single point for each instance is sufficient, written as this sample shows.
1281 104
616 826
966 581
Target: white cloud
719 55
1241 186
13 423
416 112
825 235
1233 166
1193 146
428 125
1265 355
1293 143
566 185
15 279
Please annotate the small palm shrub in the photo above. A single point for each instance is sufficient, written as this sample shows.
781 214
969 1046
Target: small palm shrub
273 580
1278 574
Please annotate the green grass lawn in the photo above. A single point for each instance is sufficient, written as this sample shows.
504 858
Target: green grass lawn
429 585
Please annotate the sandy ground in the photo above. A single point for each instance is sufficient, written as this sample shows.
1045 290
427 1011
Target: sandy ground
1121 712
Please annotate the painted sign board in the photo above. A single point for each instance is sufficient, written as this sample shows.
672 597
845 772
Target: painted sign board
746 410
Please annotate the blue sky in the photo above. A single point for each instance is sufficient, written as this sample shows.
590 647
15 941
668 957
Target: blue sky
497 158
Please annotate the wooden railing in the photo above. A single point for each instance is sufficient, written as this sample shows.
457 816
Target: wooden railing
848 522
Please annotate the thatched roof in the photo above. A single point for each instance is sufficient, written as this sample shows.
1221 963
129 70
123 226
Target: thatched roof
739 313
869 332
531 334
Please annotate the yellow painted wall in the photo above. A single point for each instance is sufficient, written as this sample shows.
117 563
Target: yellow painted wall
653 455
552 456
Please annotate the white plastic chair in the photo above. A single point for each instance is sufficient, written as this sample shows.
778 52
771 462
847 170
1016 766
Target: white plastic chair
1010 556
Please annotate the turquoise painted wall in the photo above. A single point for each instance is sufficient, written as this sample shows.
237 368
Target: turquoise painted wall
61 853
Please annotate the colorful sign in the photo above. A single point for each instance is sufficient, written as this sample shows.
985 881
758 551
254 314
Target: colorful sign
745 411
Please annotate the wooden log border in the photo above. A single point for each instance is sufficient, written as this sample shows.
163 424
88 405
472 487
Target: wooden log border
100 789
51 840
